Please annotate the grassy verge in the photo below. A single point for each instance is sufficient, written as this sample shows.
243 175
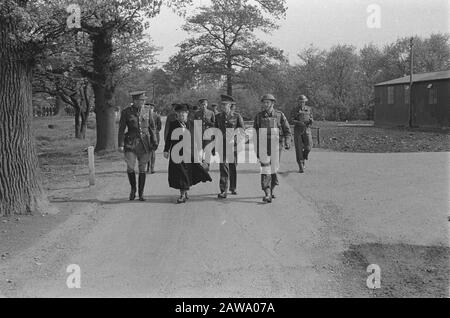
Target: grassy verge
60 154
334 136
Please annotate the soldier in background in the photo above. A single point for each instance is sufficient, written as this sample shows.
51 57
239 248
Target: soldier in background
137 143
227 119
155 126
269 119
302 118
215 109
208 119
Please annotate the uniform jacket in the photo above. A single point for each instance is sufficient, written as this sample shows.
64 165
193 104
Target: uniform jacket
207 116
276 119
233 120
156 125
302 118
155 122
138 138
225 121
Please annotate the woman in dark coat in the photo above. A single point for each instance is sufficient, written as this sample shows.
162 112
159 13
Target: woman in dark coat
184 175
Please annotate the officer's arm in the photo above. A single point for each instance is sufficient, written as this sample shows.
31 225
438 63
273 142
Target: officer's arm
122 126
286 127
166 127
294 116
241 123
158 123
213 119
256 125
168 137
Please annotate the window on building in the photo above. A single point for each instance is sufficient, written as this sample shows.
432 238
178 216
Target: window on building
432 94
390 95
406 93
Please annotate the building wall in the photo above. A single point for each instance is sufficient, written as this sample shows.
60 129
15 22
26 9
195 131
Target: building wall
425 114
391 114
432 115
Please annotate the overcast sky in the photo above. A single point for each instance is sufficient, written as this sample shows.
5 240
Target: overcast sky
327 22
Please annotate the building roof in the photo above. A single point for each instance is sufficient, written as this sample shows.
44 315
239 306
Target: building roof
424 77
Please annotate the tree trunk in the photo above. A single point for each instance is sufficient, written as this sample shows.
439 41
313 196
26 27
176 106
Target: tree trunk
86 110
104 91
58 105
20 180
229 76
77 123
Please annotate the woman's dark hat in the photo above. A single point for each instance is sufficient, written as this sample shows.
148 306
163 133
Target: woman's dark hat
226 98
182 108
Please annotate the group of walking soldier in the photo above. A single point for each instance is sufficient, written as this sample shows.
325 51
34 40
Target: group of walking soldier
143 133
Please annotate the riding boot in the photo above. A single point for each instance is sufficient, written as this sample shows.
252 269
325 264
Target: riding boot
142 177
132 179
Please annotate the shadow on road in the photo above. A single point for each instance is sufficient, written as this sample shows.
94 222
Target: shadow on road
167 199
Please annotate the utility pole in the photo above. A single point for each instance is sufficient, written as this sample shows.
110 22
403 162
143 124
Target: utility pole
411 68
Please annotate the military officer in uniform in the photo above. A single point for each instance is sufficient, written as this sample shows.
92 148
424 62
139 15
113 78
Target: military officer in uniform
227 119
302 118
269 119
155 126
136 143
207 117
215 109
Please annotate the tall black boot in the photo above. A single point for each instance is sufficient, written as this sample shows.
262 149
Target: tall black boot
132 179
142 177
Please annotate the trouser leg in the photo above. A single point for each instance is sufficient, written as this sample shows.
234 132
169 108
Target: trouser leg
274 181
224 177
152 160
298 148
233 176
307 144
130 159
266 181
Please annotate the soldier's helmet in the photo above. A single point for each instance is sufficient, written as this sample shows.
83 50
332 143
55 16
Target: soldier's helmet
268 97
303 98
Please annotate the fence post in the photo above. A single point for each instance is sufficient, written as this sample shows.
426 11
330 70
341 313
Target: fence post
91 166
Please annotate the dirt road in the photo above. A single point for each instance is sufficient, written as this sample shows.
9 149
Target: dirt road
347 212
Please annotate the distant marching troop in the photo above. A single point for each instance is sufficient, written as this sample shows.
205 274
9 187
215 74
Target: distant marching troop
139 138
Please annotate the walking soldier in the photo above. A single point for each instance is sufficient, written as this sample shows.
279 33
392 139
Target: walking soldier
302 117
208 119
155 126
269 119
137 143
228 119
215 109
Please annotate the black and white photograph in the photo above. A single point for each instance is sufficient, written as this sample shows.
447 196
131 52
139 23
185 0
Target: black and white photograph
224 155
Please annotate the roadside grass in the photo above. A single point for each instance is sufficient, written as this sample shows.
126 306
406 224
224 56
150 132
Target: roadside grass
61 156
370 139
